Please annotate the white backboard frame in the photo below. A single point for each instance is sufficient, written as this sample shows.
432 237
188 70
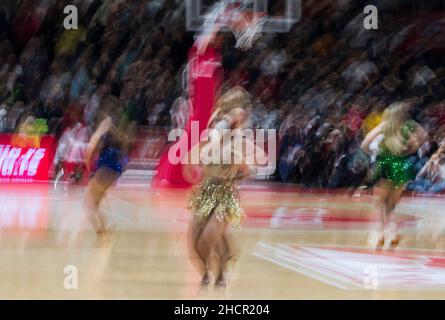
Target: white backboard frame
293 12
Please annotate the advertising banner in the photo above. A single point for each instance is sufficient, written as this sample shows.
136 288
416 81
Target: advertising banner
26 159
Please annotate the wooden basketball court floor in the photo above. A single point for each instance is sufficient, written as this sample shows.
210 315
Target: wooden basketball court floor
295 244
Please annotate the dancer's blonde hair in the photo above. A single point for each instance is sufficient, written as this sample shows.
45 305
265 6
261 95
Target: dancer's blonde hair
395 117
235 98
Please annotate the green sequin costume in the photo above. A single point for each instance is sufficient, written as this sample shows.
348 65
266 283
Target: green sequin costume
397 169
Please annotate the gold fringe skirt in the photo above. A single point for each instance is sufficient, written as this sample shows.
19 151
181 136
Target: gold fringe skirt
219 196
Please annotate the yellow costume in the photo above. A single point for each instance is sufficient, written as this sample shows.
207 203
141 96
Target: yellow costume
218 194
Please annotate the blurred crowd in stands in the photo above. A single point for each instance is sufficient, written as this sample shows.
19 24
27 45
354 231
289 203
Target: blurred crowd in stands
322 86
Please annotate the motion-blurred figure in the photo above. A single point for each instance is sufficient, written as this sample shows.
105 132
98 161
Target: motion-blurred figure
111 143
71 153
214 202
402 137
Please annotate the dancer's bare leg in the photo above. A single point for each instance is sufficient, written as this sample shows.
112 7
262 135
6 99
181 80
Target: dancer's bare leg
231 248
221 257
210 238
381 193
194 233
96 191
225 252
393 200
94 196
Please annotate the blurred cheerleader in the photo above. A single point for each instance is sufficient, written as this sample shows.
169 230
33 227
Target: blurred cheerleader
109 146
402 137
214 202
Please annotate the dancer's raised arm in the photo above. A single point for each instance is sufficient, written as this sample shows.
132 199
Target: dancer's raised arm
371 136
103 128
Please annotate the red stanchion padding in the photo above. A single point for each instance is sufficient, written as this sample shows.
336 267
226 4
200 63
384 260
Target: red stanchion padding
204 83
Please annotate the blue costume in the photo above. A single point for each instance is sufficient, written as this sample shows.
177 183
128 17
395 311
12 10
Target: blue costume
112 155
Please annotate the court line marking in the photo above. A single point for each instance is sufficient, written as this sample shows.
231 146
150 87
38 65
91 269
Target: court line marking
351 285
293 268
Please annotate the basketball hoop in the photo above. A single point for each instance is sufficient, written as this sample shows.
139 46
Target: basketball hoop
247 28
245 23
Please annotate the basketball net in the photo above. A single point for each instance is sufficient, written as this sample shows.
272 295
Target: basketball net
245 23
